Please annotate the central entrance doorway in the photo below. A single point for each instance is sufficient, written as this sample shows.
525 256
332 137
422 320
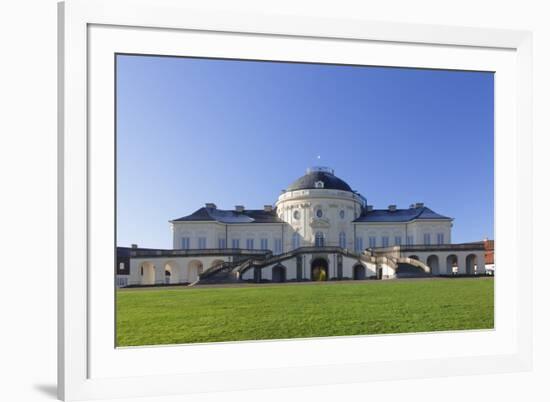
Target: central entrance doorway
319 269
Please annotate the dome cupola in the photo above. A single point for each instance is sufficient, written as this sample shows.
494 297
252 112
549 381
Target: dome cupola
319 178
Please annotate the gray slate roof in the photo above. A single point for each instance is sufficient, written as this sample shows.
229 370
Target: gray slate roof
329 180
231 216
260 216
400 215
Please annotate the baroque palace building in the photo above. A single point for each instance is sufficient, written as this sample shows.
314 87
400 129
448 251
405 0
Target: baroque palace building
319 229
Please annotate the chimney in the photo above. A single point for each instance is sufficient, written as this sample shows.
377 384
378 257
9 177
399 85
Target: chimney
392 207
134 246
268 208
210 205
239 208
370 207
419 205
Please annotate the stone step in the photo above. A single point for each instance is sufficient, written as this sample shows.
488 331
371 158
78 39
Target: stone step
410 271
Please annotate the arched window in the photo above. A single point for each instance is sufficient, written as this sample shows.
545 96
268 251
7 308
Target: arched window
342 239
319 239
295 240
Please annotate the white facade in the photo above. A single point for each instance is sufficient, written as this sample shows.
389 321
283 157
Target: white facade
305 213
317 225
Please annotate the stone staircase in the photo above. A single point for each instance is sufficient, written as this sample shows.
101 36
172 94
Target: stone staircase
220 274
405 270
230 272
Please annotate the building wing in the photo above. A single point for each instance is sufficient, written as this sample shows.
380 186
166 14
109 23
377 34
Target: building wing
400 215
205 214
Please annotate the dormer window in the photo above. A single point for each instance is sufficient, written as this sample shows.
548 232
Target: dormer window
319 184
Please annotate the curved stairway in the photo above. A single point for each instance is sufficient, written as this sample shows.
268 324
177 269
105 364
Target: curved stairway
406 270
230 272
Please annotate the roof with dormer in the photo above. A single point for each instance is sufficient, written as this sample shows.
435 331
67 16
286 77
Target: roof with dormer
206 214
319 177
400 215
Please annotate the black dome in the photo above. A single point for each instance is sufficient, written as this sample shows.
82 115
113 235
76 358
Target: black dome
316 175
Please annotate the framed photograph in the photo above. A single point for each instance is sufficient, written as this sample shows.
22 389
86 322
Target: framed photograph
261 201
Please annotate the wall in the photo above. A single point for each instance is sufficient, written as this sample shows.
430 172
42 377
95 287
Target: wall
299 210
463 263
331 224
182 269
28 163
214 231
291 268
416 229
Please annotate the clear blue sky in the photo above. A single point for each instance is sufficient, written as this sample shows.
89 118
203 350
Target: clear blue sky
191 131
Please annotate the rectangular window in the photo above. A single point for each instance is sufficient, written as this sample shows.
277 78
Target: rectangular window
221 243
295 240
250 244
235 243
372 241
121 266
385 241
359 244
427 239
202 242
185 243
319 239
440 238
410 240
263 244
342 240
397 240
278 246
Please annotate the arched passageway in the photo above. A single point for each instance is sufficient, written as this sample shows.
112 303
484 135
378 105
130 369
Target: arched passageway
471 262
319 269
194 269
147 271
278 274
359 272
172 272
452 264
167 275
433 263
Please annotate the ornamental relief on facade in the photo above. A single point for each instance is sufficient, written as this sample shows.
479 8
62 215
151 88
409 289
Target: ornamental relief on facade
319 222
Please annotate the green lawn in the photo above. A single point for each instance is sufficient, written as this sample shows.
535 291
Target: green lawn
185 315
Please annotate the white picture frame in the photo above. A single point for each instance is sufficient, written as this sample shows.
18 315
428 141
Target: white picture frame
90 32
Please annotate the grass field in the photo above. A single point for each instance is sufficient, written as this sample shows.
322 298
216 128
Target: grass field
185 315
